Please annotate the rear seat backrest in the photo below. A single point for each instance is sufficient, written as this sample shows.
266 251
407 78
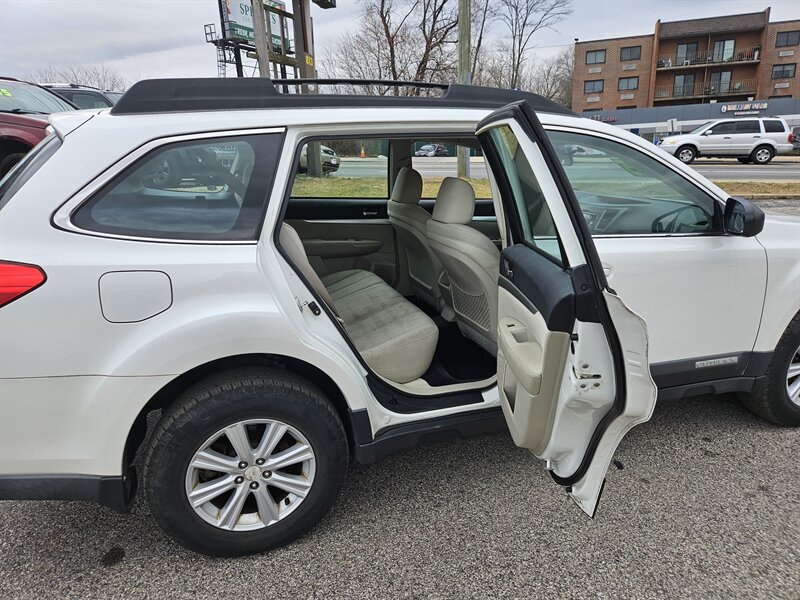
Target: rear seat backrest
293 246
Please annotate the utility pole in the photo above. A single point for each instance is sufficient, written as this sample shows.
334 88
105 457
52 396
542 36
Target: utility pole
464 75
262 41
306 67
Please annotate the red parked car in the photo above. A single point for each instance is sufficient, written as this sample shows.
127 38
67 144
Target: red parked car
24 108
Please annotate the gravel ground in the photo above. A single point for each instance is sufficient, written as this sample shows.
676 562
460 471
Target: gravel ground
700 503
786 206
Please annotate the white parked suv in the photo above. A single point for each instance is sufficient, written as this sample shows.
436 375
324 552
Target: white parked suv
276 327
750 140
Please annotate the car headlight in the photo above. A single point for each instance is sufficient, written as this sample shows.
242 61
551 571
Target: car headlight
670 141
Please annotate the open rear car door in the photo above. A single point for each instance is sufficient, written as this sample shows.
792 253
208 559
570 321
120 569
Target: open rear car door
572 366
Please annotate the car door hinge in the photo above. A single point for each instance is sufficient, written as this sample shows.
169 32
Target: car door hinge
315 310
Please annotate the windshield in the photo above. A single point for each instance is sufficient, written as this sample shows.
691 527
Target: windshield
113 96
700 127
428 148
23 98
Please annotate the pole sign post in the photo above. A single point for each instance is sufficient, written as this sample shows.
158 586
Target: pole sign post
238 20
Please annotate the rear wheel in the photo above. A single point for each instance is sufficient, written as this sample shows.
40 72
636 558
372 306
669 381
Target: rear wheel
686 154
762 155
245 461
9 161
779 399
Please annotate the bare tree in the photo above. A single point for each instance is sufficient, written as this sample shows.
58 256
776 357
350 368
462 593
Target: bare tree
411 40
552 77
99 76
523 18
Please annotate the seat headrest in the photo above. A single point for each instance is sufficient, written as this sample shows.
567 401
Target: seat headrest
407 187
455 203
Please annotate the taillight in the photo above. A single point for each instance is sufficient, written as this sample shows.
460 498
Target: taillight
17 279
791 137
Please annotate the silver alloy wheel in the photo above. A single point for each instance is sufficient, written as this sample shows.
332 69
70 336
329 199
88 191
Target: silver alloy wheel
763 155
793 378
238 486
686 155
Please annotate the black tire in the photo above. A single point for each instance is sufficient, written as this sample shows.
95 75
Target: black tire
686 154
219 401
744 160
762 155
9 161
772 401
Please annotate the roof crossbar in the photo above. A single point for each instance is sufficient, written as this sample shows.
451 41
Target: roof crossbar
249 93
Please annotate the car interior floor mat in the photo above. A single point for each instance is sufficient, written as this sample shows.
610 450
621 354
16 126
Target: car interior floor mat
457 359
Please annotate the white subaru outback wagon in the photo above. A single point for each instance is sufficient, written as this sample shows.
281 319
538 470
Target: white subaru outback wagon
167 257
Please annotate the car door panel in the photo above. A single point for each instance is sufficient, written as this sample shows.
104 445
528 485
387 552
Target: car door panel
563 359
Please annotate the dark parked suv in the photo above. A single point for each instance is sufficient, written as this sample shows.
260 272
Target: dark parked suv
84 96
23 118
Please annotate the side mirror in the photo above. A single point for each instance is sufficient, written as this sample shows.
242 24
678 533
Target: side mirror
707 132
742 218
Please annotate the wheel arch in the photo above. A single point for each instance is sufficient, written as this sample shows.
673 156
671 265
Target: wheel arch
170 392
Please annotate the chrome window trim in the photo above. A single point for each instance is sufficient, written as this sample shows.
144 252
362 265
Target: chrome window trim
62 218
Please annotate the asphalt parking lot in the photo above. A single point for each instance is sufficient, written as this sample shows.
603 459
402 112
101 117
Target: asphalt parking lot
701 502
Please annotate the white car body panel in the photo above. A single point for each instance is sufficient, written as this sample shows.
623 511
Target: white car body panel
252 307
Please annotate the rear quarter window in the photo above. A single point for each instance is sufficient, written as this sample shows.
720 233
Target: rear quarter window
774 126
212 189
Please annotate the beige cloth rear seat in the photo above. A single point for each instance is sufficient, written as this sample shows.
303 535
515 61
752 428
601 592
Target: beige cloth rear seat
396 339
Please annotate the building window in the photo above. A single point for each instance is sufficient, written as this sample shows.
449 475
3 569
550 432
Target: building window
723 50
625 107
784 71
787 38
628 83
595 86
720 82
630 53
686 54
592 111
684 85
595 57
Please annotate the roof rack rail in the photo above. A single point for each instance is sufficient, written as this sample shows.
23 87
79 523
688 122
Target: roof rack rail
248 93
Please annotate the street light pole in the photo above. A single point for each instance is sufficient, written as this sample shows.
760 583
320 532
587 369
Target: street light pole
464 75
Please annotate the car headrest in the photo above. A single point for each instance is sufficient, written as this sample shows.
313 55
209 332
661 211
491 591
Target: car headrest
455 203
407 187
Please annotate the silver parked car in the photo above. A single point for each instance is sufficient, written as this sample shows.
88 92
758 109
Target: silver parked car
755 140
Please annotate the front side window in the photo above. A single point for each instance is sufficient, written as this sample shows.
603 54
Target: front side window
535 220
210 189
347 168
630 53
623 191
783 71
594 86
787 38
723 128
595 57
628 83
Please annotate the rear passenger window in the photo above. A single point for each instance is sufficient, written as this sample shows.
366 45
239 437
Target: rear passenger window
347 168
750 126
212 189
773 126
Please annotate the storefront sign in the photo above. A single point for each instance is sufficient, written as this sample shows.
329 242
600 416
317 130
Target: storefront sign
743 108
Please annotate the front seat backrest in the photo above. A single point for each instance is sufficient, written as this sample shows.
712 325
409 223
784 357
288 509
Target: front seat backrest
292 245
410 223
471 260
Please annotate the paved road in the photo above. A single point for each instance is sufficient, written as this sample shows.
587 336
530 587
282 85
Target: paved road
702 502
719 170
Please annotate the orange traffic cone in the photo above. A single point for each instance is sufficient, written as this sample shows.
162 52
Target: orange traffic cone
363 154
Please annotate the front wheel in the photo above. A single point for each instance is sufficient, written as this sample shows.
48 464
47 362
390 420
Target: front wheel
762 155
686 154
245 461
779 398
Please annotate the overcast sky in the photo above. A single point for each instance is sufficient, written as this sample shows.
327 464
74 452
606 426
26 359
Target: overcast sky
164 38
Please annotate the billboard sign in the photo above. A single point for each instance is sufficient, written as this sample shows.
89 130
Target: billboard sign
238 20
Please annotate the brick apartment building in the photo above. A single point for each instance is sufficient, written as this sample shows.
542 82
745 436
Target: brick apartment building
716 59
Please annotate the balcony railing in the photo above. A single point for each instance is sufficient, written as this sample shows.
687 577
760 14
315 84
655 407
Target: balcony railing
706 89
702 59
